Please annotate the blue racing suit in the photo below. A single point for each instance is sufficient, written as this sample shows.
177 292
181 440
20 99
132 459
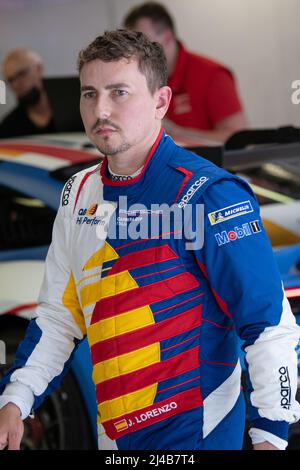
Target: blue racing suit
165 299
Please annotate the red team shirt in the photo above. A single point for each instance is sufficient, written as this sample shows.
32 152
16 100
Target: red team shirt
204 92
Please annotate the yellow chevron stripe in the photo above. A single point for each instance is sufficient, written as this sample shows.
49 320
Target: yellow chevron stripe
70 301
129 321
106 287
279 235
126 363
120 406
106 253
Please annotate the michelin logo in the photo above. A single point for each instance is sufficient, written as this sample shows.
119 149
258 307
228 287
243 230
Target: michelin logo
229 212
245 230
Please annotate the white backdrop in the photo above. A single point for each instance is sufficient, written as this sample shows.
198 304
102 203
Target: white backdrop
258 39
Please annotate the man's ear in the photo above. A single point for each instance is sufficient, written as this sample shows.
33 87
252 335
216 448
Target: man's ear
167 38
164 95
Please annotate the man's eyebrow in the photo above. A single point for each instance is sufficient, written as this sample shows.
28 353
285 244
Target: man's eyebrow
112 86
87 87
116 85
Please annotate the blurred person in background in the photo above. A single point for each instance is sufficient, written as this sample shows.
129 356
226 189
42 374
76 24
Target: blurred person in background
205 103
23 70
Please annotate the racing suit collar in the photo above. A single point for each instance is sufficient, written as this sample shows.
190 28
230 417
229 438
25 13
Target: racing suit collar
109 182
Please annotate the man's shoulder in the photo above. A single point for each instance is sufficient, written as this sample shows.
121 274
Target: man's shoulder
14 124
205 64
12 115
192 163
78 182
200 176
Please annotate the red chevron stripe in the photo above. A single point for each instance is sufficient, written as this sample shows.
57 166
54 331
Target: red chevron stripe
222 304
83 181
143 240
160 411
157 254
141 296
142 337
164 370
188 174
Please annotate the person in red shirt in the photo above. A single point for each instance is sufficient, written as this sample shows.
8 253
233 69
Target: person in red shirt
205 104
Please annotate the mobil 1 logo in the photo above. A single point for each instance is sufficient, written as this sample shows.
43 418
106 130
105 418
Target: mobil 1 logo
245 230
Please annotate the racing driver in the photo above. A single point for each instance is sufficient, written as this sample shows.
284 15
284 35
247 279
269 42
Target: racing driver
165 305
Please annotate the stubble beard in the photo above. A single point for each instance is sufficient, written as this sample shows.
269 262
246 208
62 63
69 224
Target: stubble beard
108 149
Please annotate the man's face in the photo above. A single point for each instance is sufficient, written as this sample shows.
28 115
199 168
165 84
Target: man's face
118 111
146 26
22 74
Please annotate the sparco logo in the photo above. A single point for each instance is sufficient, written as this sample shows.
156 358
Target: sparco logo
67 190
285 388
194 188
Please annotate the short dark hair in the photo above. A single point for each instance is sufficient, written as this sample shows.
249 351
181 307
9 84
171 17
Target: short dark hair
115 45
156 12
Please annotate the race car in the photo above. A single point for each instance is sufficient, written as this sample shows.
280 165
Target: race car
30 193
32 176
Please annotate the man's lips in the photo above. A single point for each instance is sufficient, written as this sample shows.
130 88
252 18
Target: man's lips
104 130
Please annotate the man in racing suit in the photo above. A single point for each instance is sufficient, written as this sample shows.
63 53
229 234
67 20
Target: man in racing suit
163 311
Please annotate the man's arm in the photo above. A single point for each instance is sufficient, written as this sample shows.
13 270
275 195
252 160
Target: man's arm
238 261
223 109
45 354
222 131
264 446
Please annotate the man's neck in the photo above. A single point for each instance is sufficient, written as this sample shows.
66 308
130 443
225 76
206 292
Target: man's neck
41 113
172 55
43 105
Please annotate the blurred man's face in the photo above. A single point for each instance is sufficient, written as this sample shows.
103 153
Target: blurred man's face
22 74
118 111
146 26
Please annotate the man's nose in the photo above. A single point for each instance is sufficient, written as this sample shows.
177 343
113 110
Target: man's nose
102 108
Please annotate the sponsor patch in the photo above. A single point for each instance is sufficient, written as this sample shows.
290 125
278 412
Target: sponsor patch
85 216
67 190
229 212
92 210
285 388
246 230
118 178
191 191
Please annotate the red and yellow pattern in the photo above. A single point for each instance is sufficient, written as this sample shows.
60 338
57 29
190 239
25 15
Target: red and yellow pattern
125 339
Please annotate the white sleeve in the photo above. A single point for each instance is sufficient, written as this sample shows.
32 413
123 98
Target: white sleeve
259 435
58 324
